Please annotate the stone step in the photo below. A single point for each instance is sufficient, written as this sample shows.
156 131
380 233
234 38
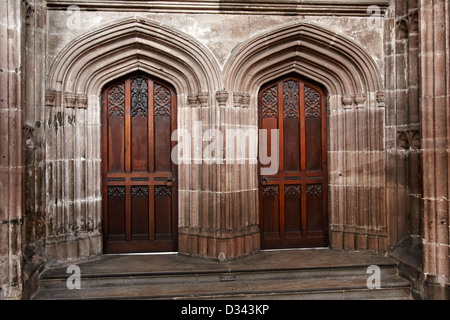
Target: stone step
331 287
197 279
49 281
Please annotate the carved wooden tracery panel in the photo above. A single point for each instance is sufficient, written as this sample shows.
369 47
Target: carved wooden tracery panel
163 191
162 98
116 191
270 191
314 189
292 190
116 100
291 99
139 191
270 103
312 103
139 97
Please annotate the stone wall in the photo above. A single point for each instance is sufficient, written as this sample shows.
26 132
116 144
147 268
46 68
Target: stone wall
403 131
11 154
435 119
218 210
385 70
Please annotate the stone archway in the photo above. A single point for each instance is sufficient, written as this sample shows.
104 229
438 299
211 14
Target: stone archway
356 158
75 81
217 202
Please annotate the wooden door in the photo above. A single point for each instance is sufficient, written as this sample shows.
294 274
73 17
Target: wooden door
293 207
139 189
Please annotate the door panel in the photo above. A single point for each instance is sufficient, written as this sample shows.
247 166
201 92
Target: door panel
138 176
293 203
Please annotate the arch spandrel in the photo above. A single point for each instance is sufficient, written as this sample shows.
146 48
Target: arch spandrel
147 44
332 59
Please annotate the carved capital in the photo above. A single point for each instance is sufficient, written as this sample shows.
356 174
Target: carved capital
237 99
245 100
360 100
81 101
193 99
50 98
222 97
69 99
347 101
381 99
203 98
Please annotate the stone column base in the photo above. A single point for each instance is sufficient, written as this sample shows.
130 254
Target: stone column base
218 245
72 250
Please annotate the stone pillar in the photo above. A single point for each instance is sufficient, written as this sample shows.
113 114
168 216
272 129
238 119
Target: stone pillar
356 166
11 152
218 191
435 116
73 178
34 143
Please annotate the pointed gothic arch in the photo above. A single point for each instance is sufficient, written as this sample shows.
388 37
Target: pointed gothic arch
134 44
73 98
355 111
332 59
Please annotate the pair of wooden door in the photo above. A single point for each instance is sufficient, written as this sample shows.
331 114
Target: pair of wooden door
139 179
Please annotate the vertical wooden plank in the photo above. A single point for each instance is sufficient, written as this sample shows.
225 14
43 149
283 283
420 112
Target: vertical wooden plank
174 169
151 128
104 120
304 209
128 158
139 213
281 207
139 125
127 127
323 104
151 213
302 128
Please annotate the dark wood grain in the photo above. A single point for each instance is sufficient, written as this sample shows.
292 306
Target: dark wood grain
136 161
293 204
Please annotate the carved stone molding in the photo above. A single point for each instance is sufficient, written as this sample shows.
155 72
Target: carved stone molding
69 99
241 99
193 100
381 99
203 98
81 101
360 100
245 100
347 101
280 7
50 98
402 29
75 100
408 139
222 97
237 99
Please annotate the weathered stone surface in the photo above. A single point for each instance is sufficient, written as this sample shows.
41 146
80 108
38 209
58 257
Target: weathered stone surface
388 137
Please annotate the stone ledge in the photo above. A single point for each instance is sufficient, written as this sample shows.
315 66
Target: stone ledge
282 7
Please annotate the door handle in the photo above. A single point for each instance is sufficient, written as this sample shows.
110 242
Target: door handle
264 181
170 181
